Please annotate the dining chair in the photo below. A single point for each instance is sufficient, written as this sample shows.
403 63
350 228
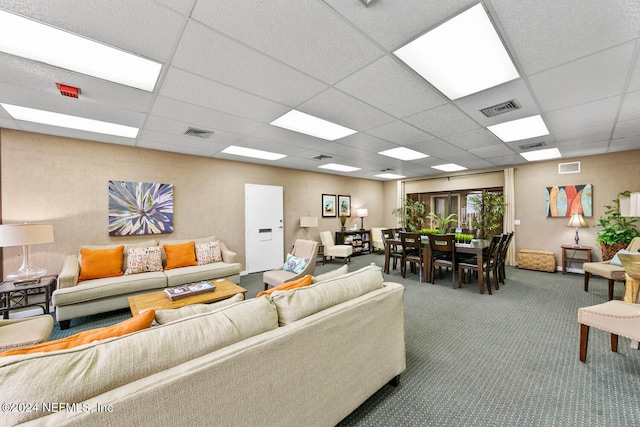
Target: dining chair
488 264
392 251
443 254
502 256
411 252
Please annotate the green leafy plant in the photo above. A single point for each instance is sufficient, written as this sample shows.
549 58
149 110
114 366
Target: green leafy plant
615 227
464 238
490 207
427 231
411 215
441 223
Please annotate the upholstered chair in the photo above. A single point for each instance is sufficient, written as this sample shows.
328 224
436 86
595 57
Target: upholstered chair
332 250
376 239
613 273
302 249
16 333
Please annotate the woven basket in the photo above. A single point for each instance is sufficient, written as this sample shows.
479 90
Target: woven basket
609 251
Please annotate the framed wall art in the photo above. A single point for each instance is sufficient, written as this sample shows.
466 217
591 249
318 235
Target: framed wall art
563 200
328 205
140 208
344 205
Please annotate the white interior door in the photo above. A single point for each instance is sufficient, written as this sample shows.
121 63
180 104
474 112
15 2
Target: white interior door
264 227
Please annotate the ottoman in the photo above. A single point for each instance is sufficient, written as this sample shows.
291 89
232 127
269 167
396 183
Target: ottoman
532 259
24 332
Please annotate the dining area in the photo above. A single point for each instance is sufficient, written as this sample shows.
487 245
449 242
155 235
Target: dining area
442 257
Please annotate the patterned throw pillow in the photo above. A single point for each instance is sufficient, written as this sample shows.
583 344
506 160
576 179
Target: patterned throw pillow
294 264
206 253
141 260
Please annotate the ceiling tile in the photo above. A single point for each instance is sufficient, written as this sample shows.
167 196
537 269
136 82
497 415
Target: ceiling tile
309 36
584 115
442 121
598 76
400 132
473 139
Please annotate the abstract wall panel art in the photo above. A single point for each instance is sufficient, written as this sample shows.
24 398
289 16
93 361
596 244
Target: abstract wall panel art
562 201
140 208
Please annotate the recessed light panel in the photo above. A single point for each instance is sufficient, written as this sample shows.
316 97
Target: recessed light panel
549 153
515 130
250 152
67 121
39 42
307 124
462 56
390 176
403 153
339 168
449 167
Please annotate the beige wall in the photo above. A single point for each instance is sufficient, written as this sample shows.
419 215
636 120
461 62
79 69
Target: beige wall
64 181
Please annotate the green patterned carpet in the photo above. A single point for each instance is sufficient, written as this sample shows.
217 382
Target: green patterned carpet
509 359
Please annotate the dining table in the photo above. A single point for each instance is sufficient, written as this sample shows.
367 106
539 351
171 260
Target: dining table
477 248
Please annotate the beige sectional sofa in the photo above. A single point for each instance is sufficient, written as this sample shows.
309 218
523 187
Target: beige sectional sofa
307 356
74 299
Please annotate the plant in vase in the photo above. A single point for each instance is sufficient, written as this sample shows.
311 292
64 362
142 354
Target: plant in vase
343 221
617 230
442 223
490 207
411 215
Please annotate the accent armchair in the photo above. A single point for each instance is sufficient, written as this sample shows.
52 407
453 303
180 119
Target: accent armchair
376 239
612 273
332 250
307 249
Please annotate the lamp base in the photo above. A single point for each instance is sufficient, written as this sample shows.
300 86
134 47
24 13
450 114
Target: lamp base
28 274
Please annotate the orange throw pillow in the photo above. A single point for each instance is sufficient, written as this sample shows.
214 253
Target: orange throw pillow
300 283
182 255
99 263
136 323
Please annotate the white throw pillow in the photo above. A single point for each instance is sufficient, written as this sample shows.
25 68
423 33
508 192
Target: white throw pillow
209 252
142 260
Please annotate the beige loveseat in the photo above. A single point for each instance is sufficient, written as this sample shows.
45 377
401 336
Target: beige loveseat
307 356
74 299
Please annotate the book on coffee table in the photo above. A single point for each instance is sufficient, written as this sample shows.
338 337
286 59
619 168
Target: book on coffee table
189 290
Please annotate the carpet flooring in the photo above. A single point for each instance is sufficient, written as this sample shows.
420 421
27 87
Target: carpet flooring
507 359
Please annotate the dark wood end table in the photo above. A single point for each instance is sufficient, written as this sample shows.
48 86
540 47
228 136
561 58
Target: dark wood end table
15 296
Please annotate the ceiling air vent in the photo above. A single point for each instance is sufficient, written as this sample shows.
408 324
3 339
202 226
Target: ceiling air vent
199 133
532 145
501 108
571 167
322 157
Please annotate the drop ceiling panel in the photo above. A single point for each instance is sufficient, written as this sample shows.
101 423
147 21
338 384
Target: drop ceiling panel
394 23
216 57
576 148
197 90
627 128
548 33
584 115
598 76
143 27
630 106
407 95
362 141
306 35
625 144
492 151
600 134
177 129
400 132
514 159
474 139
340 108
202 117
207 146
442 121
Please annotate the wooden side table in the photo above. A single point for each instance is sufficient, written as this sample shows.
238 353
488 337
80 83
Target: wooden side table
568 257
15 296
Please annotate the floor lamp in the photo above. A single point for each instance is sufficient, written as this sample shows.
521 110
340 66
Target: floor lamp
25 235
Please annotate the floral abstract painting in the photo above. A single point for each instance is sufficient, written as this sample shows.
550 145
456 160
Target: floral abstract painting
140 208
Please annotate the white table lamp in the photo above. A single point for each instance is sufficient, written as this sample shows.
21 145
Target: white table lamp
25 235
577 221
362 213
308 222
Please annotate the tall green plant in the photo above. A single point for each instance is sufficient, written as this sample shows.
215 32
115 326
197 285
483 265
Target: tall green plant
615 227
490 207
441 223
412 215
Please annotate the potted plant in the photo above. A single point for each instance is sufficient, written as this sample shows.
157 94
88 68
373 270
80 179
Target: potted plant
617 230
411 215
343 221
490 207
441 223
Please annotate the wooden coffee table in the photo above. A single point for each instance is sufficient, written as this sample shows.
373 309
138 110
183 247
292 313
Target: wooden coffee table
158 300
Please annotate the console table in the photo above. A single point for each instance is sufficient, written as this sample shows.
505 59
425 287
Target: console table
568 257
359 239
16 296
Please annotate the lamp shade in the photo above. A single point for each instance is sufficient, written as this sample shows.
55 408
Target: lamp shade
308 221
25 234
577 220
362 212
